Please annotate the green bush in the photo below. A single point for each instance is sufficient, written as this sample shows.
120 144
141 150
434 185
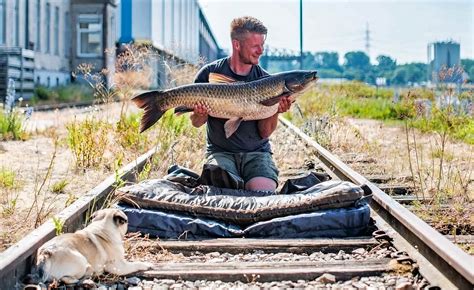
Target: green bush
7 178
61 94
361 90
74 93
88 140
128 132
379 109
12 126
43 93
414 94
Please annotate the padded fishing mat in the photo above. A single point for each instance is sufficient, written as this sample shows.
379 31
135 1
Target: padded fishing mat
181 205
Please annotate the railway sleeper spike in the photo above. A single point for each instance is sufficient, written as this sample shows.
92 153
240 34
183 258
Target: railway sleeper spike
380 235
405 260
32 287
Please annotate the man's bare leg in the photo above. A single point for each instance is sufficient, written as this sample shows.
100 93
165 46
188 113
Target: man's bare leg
261 183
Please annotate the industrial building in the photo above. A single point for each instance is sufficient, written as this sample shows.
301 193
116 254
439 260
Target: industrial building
444 62
43 41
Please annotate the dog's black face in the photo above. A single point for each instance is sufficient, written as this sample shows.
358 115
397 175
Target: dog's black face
113 216
120 219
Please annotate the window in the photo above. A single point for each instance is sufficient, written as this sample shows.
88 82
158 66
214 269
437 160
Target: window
27 26
56 30
38 25
16 33
2 21
67 34
89 35
48 27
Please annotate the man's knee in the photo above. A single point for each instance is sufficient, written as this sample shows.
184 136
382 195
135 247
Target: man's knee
261 183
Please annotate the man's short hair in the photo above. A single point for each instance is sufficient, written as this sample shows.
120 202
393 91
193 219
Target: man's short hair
239 27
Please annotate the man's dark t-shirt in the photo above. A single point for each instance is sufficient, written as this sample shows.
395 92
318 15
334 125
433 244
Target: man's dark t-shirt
246 138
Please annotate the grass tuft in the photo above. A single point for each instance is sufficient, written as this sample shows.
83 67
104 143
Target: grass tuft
88 141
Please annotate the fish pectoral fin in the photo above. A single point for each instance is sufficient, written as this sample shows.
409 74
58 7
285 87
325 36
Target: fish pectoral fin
182 109
231 126
272 101
216 78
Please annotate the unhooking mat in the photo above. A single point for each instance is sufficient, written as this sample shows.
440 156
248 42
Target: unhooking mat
189 209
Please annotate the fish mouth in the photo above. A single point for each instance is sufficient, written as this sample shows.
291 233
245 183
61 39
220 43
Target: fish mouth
311 75
301 81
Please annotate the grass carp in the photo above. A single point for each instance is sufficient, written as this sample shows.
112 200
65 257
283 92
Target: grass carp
236 101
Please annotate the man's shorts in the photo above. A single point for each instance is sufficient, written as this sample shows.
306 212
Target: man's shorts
246 165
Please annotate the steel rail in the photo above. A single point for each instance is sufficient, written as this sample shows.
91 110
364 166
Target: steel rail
449 267
441 262
16 261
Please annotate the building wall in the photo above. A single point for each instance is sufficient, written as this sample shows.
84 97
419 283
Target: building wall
21 29
208 48
90 10
175 26
49 29
52 65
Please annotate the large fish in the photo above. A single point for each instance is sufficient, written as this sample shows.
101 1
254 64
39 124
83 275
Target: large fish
238 101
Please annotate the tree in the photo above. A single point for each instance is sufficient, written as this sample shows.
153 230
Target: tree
468 67
327 60
357 60
399 76
386 65
416 72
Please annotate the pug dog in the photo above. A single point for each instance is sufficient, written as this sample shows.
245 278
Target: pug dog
96 249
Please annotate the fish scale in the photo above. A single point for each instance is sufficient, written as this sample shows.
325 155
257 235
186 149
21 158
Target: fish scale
237 102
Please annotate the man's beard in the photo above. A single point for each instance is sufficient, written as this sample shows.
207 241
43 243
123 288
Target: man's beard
246 60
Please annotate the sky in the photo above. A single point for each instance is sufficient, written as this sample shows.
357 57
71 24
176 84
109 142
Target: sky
400 29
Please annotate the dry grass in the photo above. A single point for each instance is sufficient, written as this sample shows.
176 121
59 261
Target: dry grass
142 248
46 159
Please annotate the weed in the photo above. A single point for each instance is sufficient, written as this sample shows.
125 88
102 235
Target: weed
88 140
128 133
9 207
59 186
9 198
12 121
145 173
119 182
42 206
58 225
7 179
71 198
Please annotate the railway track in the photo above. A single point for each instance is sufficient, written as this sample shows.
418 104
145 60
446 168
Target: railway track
403 252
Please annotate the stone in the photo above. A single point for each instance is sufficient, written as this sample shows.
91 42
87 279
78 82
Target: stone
326 278
359 251
404 286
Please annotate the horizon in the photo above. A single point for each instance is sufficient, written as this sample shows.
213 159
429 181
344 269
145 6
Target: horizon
401 30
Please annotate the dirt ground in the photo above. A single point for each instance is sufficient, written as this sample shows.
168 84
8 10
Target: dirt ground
34 202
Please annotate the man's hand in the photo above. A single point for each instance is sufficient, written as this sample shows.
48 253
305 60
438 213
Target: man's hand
199 116
284 104
267 126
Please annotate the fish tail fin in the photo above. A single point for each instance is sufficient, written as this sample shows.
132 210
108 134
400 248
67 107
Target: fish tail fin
150 102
